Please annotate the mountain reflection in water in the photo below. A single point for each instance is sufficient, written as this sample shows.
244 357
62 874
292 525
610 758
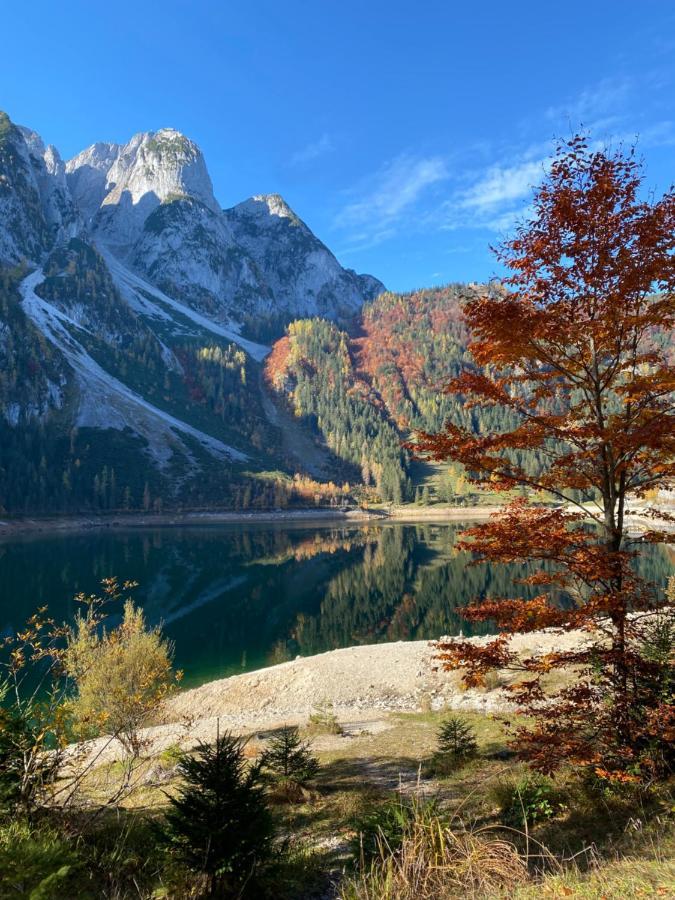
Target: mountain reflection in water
236 598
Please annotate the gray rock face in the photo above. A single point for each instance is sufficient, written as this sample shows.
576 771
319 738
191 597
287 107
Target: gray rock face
24 232
87 176
302 275
190 251
120 187
60 210
151 203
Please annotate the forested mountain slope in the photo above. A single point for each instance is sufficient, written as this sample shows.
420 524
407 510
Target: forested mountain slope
364 391
136 318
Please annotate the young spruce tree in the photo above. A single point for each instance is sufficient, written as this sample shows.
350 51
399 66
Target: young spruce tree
219 824
288 759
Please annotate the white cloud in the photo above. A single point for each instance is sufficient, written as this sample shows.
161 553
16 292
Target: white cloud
661 134
404 195
313 150
501 185
495 198
396 187
596 106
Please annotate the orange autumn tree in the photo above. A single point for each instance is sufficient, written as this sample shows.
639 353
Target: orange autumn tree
576 345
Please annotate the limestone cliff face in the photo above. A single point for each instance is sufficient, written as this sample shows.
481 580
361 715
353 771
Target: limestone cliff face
120 186
24 231
302 275
151 203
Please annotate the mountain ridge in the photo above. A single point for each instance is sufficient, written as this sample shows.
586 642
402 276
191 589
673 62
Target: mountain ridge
133 316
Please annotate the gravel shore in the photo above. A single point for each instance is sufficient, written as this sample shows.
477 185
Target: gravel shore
364 684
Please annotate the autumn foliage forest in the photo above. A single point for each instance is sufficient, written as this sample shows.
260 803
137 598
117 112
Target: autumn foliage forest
366 389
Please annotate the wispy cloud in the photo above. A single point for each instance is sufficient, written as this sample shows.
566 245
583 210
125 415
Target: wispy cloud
494 198
596 107
488 187
501 185
313 150
386 196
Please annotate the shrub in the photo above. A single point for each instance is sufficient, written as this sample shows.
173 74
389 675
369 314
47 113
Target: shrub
121 675
654 716
33 729
527 801
322 719
24 766
38 863
288 761
219 824
171 756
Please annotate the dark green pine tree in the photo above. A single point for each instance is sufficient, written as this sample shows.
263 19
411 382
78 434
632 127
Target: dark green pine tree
219 824
456 740
289 759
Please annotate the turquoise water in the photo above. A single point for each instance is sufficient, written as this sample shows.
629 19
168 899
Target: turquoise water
235 598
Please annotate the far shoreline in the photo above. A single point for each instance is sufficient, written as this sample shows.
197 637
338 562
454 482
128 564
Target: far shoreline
53 525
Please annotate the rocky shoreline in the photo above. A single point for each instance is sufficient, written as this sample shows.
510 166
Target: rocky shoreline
65 524
364 685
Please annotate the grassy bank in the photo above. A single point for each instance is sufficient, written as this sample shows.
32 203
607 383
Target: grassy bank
576 840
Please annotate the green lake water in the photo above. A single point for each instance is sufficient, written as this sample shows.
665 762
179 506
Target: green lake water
236 598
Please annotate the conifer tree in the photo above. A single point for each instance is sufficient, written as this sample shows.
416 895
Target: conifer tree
219 823
289 759
456 739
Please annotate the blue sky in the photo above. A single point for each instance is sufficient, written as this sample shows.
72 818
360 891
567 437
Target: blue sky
407 135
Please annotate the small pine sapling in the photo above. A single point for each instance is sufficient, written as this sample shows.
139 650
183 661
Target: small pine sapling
322 719
456 744
288 761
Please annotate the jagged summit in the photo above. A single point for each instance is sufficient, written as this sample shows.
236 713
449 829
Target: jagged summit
36 208
289 253
262 206
60 210
150 203
120 186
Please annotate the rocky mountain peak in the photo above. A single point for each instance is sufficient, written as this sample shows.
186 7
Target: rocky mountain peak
149 203
119 186
270 205
60 211
87 175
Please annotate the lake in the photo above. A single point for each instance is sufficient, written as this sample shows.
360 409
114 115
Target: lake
236 598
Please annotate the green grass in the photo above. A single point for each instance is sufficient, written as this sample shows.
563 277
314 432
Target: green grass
599 844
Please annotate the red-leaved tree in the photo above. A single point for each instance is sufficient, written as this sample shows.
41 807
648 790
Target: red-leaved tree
577 346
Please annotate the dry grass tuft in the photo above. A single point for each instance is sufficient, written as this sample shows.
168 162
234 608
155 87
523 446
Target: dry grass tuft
437 863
